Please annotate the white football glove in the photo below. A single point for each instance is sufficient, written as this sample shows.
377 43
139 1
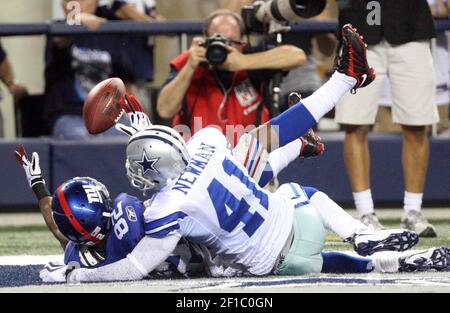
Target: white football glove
54 272
32 169
136 115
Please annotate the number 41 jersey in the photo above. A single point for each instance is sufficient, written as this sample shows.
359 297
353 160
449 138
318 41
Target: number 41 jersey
216 203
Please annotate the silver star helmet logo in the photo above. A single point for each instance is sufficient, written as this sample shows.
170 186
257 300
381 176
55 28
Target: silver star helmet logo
148 164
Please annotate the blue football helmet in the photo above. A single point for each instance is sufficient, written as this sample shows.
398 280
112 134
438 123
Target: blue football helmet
82 210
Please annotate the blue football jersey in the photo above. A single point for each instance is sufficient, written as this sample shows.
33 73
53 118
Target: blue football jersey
127 229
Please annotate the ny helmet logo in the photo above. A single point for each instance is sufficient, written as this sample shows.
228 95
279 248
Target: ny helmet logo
93 194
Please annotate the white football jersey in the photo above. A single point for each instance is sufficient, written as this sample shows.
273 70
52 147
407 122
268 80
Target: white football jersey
215 203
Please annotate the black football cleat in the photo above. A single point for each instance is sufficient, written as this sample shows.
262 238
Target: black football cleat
352 58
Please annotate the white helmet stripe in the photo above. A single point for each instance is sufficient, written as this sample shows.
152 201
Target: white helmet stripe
165 132
166 139
173 134
168 131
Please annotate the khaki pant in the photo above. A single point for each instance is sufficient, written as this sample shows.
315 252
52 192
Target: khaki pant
412 80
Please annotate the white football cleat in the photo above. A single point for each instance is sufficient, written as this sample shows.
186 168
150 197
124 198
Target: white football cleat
432 259
369 241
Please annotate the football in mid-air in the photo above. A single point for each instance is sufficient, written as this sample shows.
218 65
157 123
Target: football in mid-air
101 108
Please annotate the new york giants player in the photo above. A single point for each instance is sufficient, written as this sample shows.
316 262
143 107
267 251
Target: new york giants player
93 230
206 195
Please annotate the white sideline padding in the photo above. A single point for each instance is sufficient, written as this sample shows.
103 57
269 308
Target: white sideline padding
22 260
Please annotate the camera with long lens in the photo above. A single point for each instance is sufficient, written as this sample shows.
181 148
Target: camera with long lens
280 11
216 49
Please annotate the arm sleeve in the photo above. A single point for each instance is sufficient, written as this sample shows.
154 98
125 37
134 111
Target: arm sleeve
145 257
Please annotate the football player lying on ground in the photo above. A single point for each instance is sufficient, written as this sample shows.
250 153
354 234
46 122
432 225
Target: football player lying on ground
93 230
101 233
210 198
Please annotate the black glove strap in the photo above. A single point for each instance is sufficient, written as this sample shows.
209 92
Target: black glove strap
41 191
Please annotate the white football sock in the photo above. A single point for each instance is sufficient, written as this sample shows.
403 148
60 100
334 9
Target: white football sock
363 202
412 201
283 156
386 261
334 217
327 97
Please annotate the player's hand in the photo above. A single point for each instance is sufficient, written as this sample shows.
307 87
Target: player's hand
197 53
311 145
54 272
32 168
138 119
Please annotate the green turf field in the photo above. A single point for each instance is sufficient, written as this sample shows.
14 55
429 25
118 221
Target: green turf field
36 240
27 240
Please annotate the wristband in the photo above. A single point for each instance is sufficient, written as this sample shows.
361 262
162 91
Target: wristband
41 191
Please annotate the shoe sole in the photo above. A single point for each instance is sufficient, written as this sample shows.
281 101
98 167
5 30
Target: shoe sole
429 232
394 242
438 261
351 35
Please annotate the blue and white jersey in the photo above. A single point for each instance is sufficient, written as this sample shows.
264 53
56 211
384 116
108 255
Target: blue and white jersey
127 229
215 203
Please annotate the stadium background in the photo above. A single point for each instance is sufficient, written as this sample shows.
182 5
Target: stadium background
24 233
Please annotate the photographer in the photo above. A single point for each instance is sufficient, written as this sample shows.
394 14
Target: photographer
226 94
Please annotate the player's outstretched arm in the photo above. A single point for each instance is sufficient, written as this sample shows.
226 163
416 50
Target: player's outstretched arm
37 184
146 256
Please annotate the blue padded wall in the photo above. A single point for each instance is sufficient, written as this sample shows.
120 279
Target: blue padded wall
328 172
102 159
14 189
